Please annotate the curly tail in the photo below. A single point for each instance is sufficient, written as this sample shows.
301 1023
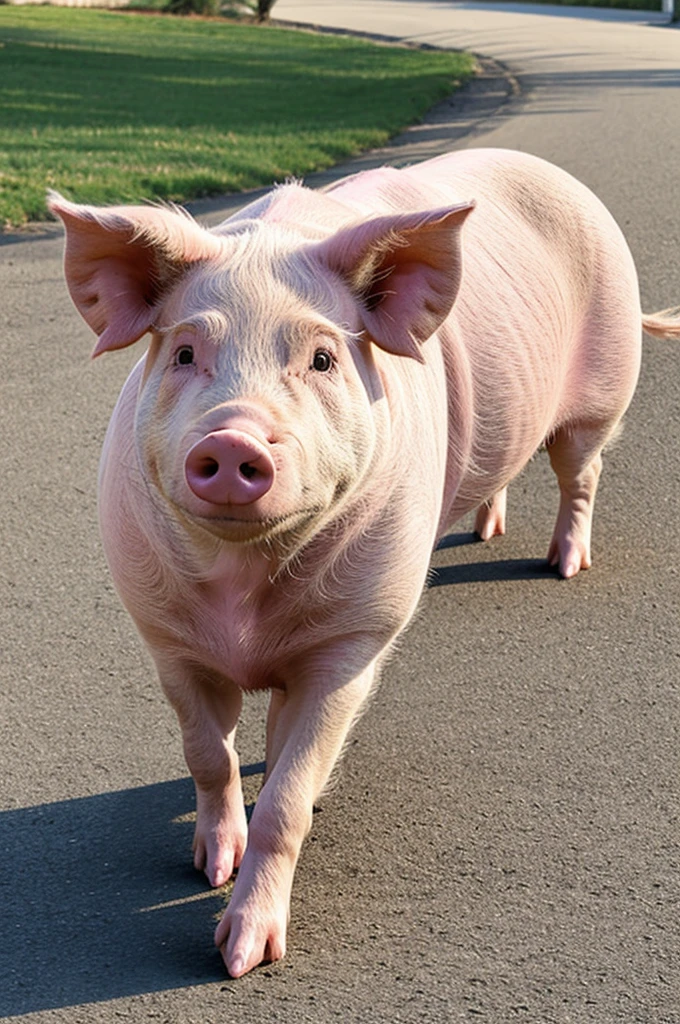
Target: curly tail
664 324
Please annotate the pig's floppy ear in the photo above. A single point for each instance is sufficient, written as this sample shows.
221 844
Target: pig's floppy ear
118 260
404 269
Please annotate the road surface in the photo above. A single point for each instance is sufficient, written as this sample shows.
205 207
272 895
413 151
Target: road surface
503 840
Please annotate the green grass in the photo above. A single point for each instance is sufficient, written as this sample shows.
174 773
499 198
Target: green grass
111 107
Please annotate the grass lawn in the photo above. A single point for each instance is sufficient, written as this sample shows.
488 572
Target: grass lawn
108 106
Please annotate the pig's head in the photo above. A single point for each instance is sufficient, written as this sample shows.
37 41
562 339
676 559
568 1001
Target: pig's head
262 405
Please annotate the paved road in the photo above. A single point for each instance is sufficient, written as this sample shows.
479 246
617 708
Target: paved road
503 842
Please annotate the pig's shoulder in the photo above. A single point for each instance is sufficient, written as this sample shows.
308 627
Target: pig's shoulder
526 187
385 190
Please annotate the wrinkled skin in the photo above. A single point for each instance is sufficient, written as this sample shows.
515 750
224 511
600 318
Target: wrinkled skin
333 380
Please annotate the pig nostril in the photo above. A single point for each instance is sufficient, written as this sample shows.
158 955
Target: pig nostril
208 468
248 471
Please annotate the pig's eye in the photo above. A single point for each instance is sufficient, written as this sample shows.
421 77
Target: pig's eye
322 361
184 356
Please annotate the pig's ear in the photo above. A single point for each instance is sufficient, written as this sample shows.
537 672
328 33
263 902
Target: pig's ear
404 270
119 259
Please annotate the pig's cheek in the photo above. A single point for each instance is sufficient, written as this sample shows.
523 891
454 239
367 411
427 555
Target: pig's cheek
159 450
164 433
152 454
352 441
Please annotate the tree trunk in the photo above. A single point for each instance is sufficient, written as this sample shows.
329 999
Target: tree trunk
263 9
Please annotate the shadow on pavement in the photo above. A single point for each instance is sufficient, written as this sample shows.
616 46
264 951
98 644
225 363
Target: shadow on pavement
495 570
485 572
100 899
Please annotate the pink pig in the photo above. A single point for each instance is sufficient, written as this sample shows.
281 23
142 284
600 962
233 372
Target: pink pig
333 380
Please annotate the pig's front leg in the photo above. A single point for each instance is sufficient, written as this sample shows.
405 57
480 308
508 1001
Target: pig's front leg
305 740
208 707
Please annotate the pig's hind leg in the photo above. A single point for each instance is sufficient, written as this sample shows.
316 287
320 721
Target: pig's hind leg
575 456
208 707
490 518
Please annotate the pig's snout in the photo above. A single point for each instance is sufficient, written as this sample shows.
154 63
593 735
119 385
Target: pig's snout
229 467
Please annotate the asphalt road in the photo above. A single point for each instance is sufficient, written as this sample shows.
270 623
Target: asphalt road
503 840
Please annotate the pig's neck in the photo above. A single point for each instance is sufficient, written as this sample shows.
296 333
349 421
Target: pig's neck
204 602
251 609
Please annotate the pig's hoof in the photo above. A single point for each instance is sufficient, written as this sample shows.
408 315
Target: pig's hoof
218 864
569 556
217 859
218 849
490 518
247 940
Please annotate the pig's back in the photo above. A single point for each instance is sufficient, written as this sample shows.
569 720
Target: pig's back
546 325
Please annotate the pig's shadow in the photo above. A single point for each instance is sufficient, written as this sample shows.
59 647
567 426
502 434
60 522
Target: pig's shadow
100 900
488 570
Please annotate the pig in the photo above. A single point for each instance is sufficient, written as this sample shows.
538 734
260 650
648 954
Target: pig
333 379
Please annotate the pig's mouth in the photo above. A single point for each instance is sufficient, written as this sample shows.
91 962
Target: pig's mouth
240 529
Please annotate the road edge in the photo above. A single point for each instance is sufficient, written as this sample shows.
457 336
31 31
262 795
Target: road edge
487 94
